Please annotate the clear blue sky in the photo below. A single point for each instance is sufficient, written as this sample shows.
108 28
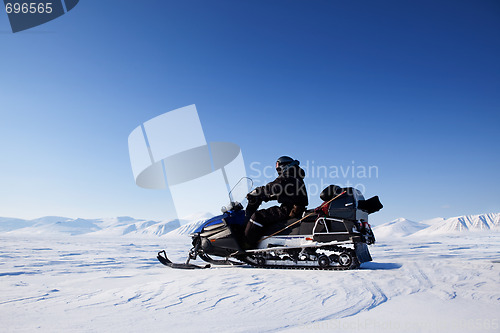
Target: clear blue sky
410 87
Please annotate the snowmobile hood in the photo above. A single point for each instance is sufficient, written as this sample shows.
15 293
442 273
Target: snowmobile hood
213 220
236 217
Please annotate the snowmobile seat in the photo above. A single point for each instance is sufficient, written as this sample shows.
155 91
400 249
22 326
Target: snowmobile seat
305 227
271 229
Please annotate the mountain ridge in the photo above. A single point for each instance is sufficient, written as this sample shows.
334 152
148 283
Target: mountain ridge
116 226
129 226
439 226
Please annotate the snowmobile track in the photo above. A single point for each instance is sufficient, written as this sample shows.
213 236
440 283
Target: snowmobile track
307 268
355 264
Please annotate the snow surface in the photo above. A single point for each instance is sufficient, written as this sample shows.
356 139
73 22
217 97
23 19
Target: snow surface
94 282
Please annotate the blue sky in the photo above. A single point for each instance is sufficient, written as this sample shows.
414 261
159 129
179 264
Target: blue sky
412 88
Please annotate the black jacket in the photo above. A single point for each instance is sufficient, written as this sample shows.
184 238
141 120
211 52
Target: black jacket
289 188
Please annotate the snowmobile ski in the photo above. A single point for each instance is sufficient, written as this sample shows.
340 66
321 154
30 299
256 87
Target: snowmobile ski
162 257
224 262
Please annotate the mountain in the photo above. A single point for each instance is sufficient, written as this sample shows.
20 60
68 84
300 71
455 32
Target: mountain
400 227
159 229
9 223
129 226
50 219
51 226
112 227
187 228
433 221
465 223
123 225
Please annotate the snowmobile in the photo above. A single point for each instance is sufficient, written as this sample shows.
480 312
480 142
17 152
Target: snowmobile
333 236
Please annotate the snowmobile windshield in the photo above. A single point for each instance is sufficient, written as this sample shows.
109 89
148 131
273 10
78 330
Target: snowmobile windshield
240 190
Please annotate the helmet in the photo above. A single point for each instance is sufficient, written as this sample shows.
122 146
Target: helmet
285 162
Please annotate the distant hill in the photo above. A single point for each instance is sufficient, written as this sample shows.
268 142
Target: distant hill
187 228
466 223
438 226
117 226
129 226
400 227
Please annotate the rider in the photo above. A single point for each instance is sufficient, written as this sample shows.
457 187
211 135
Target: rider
288 189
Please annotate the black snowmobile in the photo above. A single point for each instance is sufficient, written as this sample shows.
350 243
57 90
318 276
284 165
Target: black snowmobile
333 236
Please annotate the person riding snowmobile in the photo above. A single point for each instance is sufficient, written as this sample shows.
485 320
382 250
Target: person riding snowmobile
288 189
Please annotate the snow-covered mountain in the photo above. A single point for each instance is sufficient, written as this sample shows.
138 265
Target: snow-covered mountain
158 229
433 221
9 223
466 223
187 228
128 226
399 227
438 226
117 226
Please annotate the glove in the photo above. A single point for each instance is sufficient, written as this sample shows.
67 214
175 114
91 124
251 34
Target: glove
255 196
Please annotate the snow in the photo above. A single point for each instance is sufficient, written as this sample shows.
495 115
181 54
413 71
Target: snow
186 229
399 227
117 226
433 221
466 223
134 228
97 282
439 226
